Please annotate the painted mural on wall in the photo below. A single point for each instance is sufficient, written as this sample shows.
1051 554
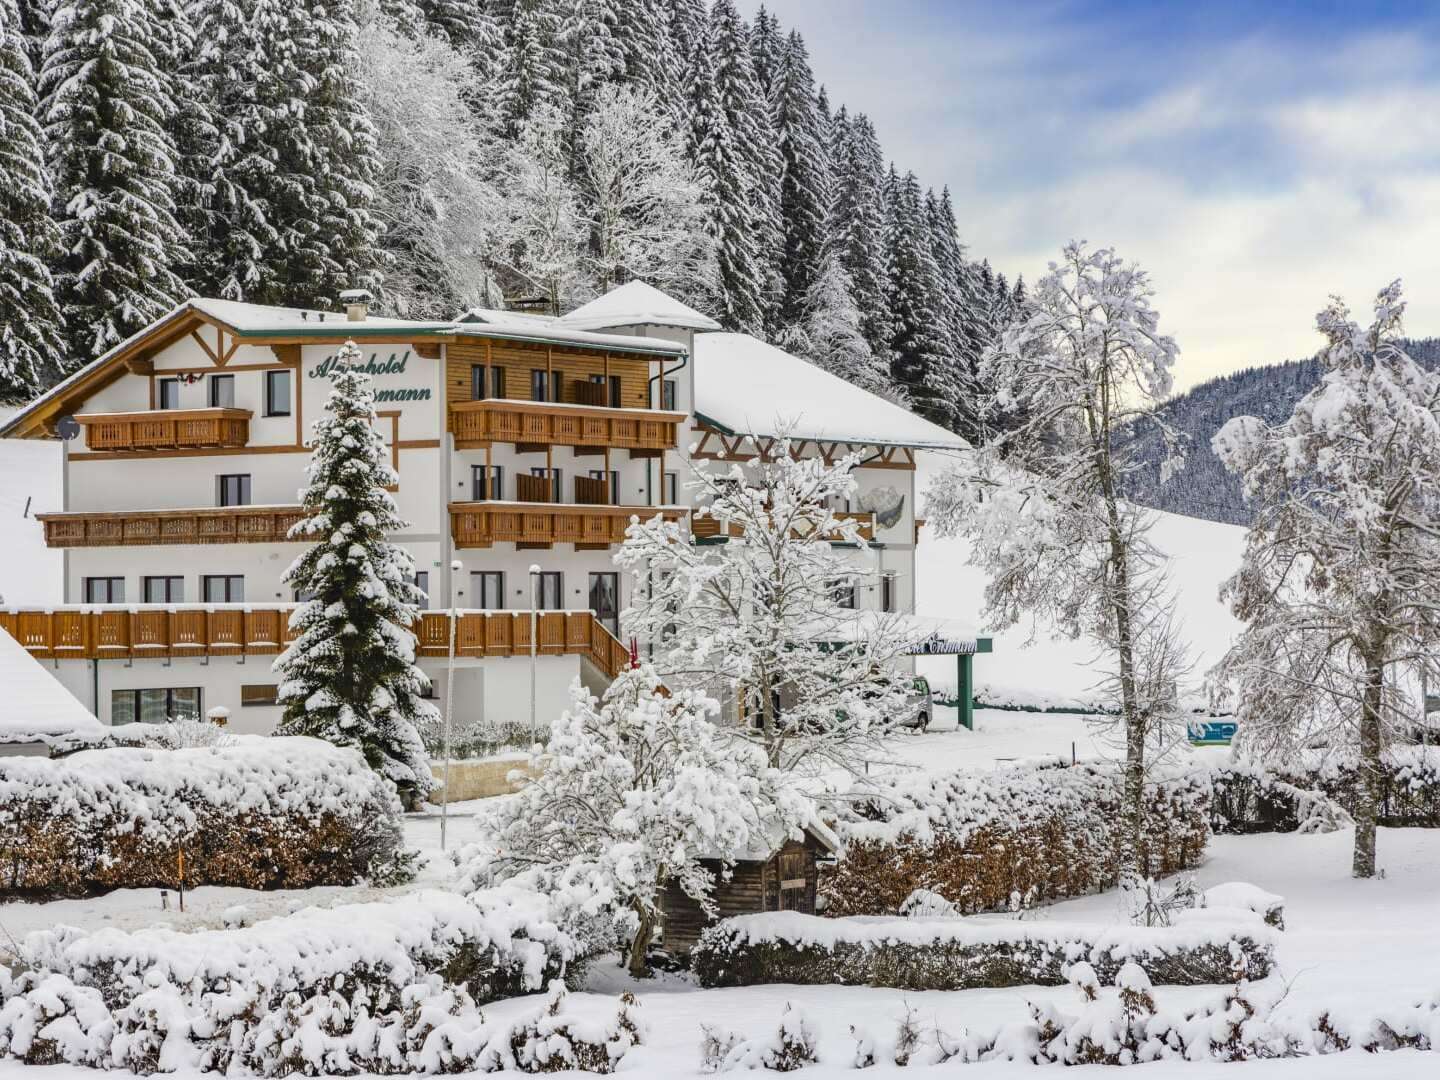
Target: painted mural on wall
885 503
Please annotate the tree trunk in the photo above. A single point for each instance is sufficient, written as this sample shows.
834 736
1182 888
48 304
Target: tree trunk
1367 805
640 944
1132 833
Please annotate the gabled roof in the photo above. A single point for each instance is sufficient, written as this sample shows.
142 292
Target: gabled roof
37 708
636 304
747 387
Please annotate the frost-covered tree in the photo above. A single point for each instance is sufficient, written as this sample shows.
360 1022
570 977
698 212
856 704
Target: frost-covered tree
760 620
530 77
829 334
294 162
642 199
920 362
31 349
105 109
806 189
543 234
433 194
637 791
350 675
1338 590
1041 503
858 225
588 37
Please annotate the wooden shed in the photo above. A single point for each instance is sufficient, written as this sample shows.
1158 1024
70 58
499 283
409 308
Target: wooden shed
783 877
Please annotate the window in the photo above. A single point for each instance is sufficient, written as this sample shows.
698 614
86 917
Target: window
550 596
158 706
605 599
104 590
164 590
223 588
487 590
477 382
422 582
497 382
168 396
670 489
232 489
887 591
277 393
614 485
557 490
480 490
539 385
259 694
222 391
667 394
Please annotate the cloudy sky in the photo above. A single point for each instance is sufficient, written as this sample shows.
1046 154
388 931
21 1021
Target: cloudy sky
1254 156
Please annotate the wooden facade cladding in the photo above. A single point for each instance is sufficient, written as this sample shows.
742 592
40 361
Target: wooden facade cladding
480 524
571 370
708 528
154 632
170 429
125 528
477 424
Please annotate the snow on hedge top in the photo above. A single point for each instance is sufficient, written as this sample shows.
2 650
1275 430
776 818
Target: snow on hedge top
35 707
749 387
637 304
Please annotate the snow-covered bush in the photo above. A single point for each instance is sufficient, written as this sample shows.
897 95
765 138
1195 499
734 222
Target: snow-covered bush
252 812
980 838
924 904
1317 791
960 954
1242 896
558 1040
791 1047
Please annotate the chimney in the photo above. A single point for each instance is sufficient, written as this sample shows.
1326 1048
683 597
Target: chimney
357 304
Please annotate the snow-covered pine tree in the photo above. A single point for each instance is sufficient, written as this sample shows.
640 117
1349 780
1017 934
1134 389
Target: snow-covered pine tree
642 791
192 127
461 23
828 333
859 218
34 27
350 675
104 106
31 346
763 622
767 51
294 166
1338 589
433 196
949 258
588 37
642 199
722 168
688 21
530 76
807 188
652 56
919 362
1042 504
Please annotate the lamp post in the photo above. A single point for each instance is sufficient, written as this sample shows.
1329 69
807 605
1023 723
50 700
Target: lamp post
534 619
455 568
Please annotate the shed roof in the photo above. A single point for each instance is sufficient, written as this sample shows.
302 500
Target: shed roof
35 707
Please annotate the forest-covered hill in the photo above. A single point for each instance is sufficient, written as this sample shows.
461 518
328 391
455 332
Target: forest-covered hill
1202 488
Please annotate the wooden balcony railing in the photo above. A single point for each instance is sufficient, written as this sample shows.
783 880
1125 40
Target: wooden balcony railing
211 525
592 491
534 489
168 429
480 524
92 632
708 528
476 424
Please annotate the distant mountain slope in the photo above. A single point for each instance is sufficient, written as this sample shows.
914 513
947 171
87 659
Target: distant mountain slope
1203 488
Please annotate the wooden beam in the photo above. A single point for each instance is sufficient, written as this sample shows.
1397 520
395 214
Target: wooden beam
214 356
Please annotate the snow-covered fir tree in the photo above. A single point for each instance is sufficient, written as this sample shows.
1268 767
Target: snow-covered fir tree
1338 589
806 190
767 51
1041 503
858 215
919 363
588 37
350 676
31 346
294 164
642 200
652 56
530 76
638 790
949 332
762 621
105 109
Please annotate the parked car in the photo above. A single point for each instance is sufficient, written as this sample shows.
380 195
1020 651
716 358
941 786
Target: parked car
919 705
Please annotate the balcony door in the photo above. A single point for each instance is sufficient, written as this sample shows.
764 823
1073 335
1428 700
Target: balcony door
550 596
487 589
605 599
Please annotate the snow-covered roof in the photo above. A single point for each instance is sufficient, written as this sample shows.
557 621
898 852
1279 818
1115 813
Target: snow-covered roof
35 707
637 304
748 387
262 318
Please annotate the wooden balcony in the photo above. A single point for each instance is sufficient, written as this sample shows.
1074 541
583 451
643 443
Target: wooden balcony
168 429
480 524
538 424
709 528
130 528
143 631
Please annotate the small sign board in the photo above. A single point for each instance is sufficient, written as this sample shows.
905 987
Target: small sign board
1212 733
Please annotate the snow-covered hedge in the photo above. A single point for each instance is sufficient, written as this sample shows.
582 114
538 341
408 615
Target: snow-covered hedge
1305 793
379 987
256 813
961 954
1008 837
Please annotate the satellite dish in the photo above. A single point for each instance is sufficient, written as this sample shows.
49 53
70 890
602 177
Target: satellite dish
67 428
